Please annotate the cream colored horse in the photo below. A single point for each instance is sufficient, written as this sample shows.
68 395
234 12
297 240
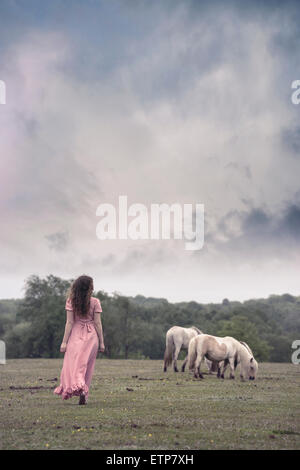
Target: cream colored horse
177 338
214 366
217 349
225 363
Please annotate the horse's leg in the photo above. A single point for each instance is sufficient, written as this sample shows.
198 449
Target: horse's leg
196 368
209 365
197 372
168 356
220 365
226 362
184 364
176 352
231 362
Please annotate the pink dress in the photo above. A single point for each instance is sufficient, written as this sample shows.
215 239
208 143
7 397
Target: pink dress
81 353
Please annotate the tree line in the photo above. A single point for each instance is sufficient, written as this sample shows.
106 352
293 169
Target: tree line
135 327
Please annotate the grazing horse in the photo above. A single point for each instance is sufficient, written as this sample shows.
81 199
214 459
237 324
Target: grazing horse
217 349
214 366
178 337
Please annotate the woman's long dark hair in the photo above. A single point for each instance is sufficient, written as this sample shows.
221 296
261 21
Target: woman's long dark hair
80 295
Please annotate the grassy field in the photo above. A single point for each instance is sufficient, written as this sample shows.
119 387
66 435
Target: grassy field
134 405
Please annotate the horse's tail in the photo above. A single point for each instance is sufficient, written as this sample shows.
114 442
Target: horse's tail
192 353
169 351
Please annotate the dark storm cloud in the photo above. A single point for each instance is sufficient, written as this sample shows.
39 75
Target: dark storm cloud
290 223
260 232
265 227
257 222
291 140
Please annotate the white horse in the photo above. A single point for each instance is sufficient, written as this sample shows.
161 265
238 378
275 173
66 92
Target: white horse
214 366
178 337
217 349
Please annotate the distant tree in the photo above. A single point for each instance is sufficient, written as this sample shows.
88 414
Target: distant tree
281 348
242 329
18 340
44 309
136 326
288 298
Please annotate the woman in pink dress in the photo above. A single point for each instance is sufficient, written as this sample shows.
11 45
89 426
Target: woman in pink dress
83 335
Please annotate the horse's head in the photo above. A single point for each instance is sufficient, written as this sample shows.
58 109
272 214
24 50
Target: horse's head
249 365
251 369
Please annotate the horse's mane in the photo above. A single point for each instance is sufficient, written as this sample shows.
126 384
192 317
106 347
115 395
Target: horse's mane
197 329
247 347
245 352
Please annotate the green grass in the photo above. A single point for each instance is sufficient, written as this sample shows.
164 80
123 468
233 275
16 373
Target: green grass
159 411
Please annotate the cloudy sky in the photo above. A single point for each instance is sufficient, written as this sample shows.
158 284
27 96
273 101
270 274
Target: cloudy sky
162 101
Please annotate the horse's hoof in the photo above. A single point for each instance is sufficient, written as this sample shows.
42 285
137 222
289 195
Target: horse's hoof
82 400
232 377
165 369
176 370
201 376
222 376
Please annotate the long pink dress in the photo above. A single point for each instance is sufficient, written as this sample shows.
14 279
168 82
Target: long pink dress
81 353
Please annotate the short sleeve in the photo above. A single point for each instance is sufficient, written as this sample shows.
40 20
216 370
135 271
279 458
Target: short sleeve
97 307
69 305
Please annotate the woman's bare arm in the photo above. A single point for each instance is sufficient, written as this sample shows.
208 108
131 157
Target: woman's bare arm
68 329
98 327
